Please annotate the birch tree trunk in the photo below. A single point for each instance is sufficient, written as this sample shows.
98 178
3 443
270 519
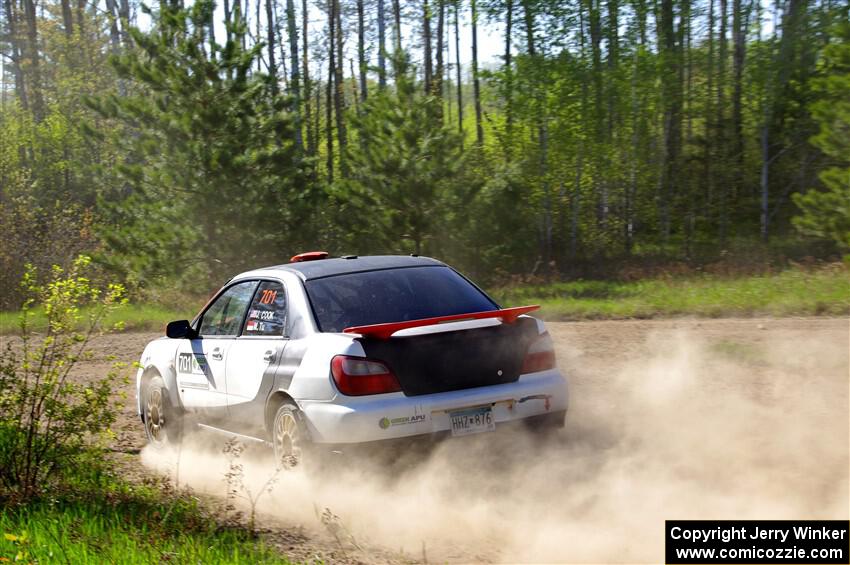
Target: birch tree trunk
294 72
397 28
440 71
458 70
330 90
361 50
508 70
382 46
33 59
339 91
721 150
311 139
427 48
740 22
476 84
271 40
14 39
67 18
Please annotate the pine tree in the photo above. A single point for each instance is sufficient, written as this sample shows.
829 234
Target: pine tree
215 173
404 173
826 213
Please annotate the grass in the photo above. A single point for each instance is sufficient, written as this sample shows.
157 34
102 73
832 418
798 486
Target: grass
135 317
116 522
793 292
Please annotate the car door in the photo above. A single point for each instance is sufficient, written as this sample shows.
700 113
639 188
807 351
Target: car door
254 357
201 362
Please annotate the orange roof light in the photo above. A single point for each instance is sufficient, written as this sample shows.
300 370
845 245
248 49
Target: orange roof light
309 256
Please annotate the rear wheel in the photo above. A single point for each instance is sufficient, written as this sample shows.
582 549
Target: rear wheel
289 436
163 424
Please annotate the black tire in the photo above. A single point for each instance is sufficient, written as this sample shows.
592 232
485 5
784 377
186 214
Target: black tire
290 438
163 422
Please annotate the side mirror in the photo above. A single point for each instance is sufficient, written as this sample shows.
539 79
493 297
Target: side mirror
180 329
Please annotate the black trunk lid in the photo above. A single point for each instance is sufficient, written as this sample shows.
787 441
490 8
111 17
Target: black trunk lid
455 360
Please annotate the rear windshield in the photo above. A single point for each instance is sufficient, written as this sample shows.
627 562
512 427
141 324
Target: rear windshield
393 295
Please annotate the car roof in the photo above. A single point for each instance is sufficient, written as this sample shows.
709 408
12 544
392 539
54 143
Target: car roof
320 268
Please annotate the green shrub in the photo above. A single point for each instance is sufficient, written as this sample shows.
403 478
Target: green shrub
49 419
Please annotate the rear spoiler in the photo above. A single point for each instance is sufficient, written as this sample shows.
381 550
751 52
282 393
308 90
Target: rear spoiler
384 331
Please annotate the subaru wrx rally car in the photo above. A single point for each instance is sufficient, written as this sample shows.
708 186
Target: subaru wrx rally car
339 352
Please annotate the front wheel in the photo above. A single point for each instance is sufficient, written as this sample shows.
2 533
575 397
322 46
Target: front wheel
289 436
163 424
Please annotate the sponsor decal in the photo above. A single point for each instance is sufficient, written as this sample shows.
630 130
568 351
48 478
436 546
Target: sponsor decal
190 364
255 326
261 314
384 423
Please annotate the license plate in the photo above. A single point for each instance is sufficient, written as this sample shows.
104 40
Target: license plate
472 421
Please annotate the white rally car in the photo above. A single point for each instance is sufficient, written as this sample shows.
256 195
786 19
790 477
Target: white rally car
350 351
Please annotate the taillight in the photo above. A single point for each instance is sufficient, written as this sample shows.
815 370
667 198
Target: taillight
357 376
540 356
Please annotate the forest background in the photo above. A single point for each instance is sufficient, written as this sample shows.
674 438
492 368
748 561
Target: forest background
610 139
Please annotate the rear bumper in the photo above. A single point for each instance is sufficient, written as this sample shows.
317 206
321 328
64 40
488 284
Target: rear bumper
353 420
391 450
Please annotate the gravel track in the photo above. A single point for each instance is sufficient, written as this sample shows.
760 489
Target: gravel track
721 418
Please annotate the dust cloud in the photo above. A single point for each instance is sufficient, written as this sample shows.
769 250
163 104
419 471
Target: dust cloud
680 424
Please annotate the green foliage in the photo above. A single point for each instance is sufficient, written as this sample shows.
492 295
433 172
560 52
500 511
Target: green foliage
40 233
42 222
617 131
405 170
502 205
826 213
210 181
48 417
47 191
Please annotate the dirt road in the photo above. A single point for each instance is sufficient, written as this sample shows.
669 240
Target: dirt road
669 419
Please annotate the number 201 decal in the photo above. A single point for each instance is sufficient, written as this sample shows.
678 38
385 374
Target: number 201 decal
268 296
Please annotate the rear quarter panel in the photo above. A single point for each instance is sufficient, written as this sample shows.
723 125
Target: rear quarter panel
311 378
